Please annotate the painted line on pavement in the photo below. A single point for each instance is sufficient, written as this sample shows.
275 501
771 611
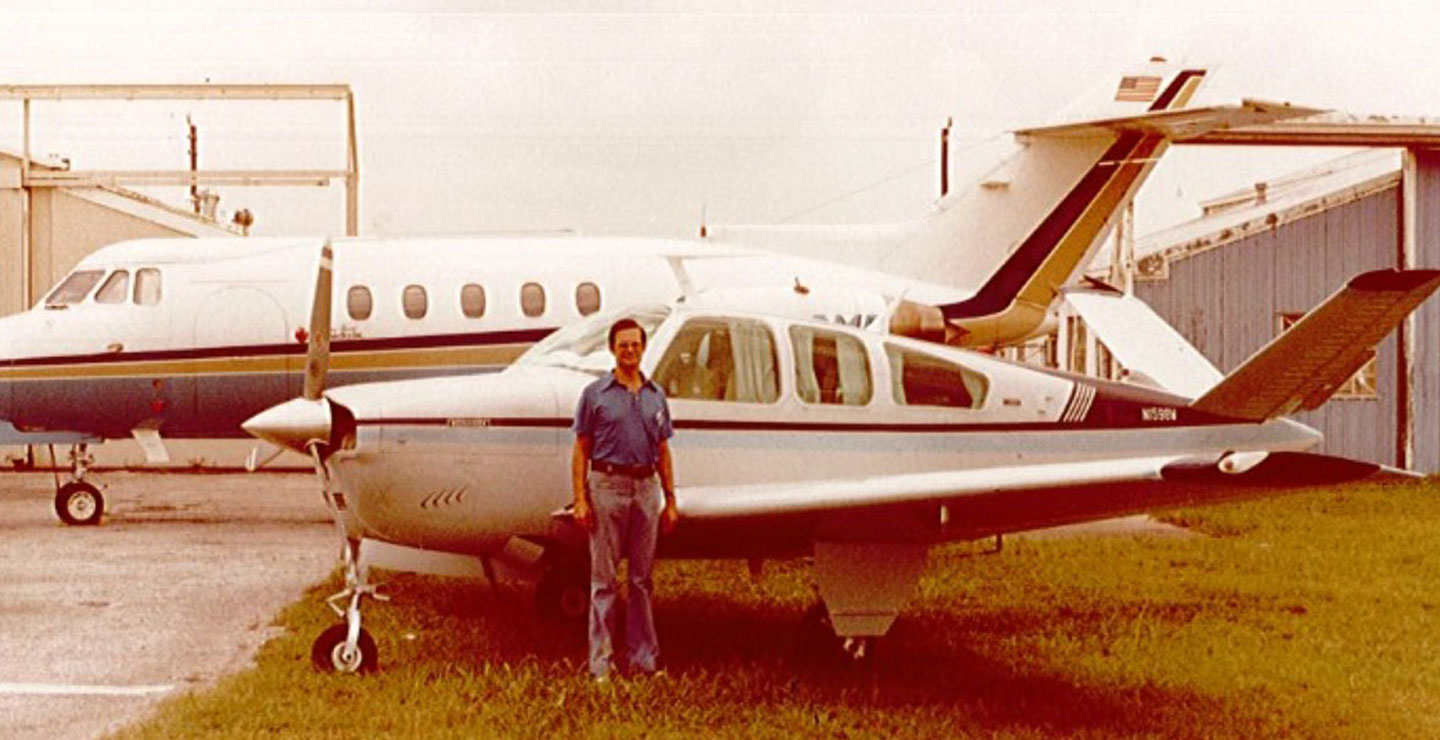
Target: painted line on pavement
69 689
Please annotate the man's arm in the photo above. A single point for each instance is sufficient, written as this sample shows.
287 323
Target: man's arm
670 515
579 466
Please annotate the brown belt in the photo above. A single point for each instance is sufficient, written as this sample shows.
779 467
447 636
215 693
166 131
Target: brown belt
632 471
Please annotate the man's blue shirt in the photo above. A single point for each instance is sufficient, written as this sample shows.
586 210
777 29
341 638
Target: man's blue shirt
624 428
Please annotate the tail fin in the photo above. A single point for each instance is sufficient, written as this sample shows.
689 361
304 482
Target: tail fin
1015 236
1300 369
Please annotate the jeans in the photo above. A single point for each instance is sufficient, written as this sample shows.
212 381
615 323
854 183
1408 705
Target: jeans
627 519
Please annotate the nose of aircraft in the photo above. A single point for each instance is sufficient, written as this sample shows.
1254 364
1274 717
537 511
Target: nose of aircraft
295 424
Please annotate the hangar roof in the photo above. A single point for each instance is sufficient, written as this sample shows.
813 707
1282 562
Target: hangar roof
130 202
1270 203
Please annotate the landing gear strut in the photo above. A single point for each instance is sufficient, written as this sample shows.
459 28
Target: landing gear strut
347 647
78 503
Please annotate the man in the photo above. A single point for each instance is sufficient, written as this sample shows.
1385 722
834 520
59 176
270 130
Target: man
620 471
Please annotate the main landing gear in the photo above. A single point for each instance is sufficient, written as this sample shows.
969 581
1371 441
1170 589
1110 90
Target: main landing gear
78 502
818 642
347 647
563 593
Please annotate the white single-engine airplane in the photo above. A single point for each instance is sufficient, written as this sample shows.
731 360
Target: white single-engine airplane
186 338
795 437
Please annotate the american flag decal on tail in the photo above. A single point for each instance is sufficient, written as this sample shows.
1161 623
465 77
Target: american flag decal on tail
1139 89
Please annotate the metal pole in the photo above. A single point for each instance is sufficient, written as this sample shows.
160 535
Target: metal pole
352 180
945 157
26 266
194 165
1405 338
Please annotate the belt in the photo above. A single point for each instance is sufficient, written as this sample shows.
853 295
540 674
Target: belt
632 471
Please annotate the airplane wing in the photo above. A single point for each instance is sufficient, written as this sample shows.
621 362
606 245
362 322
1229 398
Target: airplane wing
1301 368
982 502
9 435
1179 125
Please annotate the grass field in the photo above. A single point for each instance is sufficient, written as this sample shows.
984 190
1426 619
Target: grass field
1312 615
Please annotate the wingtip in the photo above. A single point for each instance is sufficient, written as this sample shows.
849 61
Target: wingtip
1393 280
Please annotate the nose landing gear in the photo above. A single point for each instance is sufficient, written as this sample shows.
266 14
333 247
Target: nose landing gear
78 502
347 647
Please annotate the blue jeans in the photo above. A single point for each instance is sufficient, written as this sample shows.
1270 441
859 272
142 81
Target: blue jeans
627 520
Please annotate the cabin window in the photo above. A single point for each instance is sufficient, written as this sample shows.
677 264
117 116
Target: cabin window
115 289
359 303
532 299
587 298
415 302
922 380
830 367
74 288
721 360
472 301
147 286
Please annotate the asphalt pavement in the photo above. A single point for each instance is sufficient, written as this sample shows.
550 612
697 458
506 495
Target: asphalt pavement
177 587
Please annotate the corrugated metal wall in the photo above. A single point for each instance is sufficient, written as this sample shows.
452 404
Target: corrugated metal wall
1227 302
1426 377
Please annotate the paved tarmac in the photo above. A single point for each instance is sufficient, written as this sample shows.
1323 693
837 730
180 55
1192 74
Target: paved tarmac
177 587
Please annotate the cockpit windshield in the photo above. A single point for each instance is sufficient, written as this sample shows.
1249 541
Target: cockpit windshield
74 288
586 346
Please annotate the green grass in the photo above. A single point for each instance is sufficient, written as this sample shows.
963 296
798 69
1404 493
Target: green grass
1313 615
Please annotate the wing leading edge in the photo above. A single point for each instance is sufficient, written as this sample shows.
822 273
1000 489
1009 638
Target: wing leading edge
966 504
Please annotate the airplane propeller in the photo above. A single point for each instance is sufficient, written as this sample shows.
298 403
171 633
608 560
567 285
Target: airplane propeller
303 424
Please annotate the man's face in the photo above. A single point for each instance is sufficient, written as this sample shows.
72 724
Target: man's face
627 348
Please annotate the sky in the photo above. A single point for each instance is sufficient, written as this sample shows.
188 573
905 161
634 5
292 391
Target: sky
650 118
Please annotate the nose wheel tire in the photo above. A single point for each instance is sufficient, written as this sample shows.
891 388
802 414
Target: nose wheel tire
328 653
79 504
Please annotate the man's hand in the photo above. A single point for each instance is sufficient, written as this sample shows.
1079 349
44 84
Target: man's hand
583 514
669 517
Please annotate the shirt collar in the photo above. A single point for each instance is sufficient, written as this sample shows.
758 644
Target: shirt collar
611 380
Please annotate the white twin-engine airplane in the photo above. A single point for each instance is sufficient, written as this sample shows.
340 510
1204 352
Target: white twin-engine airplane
799 437
186 338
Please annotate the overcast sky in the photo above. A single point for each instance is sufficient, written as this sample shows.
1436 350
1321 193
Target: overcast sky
644 118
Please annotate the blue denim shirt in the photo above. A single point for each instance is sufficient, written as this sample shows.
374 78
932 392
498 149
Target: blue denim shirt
624 428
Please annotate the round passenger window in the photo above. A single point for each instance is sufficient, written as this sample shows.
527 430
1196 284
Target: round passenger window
358 302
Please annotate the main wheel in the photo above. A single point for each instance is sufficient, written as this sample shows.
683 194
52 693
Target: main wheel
327 654
563 594
78 503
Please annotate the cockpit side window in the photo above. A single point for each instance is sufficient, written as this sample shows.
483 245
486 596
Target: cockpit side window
721 360
74 288
147 286
830 367
115 288
922 380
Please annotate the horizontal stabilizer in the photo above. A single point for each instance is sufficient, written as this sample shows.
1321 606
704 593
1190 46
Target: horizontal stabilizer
1179 125
1143 343
1300 369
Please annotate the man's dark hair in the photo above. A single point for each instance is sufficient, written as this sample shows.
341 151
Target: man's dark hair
624 324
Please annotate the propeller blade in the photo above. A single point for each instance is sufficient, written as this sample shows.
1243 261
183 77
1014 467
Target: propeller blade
259 457
317 359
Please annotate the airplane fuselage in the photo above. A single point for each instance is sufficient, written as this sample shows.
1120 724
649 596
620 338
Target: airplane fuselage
217 331
462 465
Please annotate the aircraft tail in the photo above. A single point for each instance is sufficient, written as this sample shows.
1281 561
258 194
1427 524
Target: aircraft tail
1302 368
1012 238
